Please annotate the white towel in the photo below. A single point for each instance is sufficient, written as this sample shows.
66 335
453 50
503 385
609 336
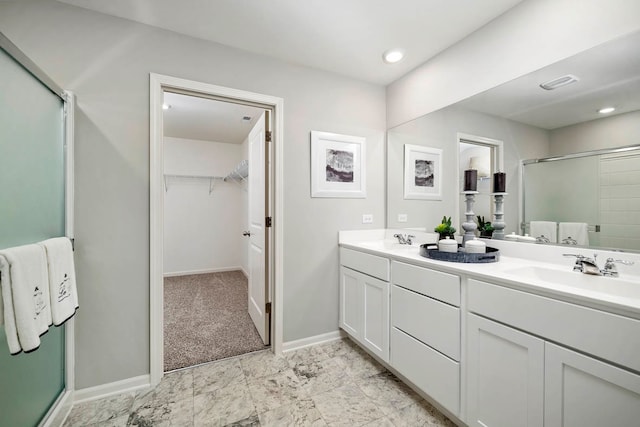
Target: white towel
577 231
548 229
62 279
25 294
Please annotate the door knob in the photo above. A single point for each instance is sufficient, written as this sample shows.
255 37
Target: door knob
246 233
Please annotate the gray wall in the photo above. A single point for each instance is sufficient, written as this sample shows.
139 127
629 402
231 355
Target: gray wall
106 61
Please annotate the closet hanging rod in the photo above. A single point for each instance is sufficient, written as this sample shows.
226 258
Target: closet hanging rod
211 179
193 176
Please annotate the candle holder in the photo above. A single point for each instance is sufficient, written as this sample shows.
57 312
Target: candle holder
498 216
469 226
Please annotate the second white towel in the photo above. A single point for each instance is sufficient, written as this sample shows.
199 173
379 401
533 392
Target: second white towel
574 231
62 279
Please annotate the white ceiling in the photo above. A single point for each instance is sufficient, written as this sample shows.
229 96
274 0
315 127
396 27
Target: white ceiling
349 37
343 36
609 76
191 117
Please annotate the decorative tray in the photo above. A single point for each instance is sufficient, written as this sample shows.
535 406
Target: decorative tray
430 250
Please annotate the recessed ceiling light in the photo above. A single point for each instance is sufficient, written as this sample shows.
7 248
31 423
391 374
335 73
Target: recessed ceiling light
393 55
166 106
559 82
606 110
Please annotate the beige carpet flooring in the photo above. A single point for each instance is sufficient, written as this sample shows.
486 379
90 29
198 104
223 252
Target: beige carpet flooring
206 319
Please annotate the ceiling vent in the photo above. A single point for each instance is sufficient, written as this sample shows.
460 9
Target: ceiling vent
559 82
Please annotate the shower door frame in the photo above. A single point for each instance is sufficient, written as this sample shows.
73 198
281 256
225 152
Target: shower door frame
63 403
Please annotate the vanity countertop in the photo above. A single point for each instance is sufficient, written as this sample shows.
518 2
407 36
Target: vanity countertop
552 279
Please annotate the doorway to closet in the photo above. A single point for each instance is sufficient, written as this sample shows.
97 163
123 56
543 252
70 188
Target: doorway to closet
266 292
214 285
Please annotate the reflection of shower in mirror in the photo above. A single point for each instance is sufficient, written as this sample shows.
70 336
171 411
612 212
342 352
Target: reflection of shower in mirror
594 197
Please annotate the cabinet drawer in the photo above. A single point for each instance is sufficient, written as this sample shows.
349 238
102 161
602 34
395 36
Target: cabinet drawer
430 321
435 374
608 336
366 263
441 286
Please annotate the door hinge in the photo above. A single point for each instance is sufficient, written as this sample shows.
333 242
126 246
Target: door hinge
267 221
267 308
267 136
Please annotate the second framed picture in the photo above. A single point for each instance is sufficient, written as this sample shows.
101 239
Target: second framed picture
422 173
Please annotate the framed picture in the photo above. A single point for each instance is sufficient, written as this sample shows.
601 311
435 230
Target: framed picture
422 172
337 165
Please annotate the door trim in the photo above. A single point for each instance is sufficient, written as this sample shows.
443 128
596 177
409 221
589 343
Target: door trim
157 84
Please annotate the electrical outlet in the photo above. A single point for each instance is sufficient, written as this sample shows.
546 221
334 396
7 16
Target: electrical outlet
367 218
402 217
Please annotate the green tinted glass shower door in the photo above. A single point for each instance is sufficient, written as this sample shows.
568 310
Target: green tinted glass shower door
31 209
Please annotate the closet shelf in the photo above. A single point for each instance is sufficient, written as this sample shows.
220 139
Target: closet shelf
239 173
211 179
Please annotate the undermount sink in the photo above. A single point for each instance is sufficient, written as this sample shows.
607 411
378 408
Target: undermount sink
610 285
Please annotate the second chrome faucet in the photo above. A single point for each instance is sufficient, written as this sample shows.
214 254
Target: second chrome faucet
588 265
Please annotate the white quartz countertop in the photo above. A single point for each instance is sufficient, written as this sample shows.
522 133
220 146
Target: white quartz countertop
553 279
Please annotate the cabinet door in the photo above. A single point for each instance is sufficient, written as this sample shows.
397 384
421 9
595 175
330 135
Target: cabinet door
505 375
376 316
351 302
582 391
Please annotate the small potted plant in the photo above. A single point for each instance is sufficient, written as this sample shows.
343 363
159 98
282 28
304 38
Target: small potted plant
445 229
484 227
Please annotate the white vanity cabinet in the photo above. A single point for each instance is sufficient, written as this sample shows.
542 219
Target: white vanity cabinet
491 350
425 331
517 377
364 300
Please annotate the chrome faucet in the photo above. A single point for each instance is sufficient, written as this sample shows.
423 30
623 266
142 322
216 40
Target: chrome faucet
585 264
589 266
610 268
404 239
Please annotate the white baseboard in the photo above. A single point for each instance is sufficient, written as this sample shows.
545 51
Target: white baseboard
315 340
209 270
245 272
111 389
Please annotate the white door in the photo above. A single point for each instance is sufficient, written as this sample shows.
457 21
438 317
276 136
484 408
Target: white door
258 295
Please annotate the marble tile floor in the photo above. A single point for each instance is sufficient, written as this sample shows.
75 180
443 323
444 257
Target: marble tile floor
331 384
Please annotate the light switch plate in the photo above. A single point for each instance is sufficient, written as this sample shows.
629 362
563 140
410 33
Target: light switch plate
367 218
402 217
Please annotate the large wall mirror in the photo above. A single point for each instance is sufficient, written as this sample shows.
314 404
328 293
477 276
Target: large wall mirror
535 125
